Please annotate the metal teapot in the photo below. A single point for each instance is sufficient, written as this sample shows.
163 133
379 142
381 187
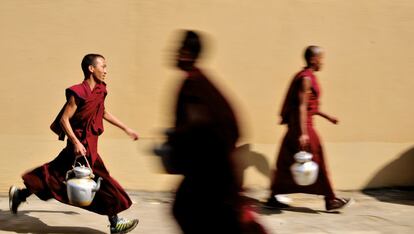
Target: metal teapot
304 170
81 187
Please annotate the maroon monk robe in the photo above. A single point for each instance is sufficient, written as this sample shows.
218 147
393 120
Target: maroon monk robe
207 200
283 182
47 181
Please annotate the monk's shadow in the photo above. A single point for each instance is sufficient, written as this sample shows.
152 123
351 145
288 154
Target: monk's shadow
397 195
246 158
399 178
24 223
270 211
258 206
261 208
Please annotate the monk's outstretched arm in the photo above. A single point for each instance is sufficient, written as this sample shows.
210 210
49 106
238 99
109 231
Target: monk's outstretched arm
69 111
116 122
328 117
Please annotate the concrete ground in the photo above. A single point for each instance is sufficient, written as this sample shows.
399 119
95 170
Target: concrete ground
375 211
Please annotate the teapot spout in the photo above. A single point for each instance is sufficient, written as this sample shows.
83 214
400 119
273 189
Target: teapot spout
98 185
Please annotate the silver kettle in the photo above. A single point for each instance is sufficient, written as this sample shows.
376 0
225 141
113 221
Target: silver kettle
80 186
304 170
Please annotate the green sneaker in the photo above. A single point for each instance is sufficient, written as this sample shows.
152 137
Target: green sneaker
124 226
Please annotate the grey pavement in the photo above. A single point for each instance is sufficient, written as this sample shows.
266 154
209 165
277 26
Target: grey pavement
376 211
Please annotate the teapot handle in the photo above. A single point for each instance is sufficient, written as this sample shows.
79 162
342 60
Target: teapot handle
87 162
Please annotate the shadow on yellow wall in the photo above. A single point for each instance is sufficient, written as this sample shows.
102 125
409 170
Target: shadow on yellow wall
399 174
245 157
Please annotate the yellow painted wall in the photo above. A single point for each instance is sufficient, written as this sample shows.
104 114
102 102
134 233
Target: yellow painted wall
255 47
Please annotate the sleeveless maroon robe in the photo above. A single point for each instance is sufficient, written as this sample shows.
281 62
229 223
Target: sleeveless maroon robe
283 182
47 180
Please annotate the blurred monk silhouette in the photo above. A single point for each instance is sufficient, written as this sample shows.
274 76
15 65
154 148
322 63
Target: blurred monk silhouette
201 146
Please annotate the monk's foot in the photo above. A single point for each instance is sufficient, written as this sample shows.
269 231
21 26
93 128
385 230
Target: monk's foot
124 226
338 203
14 199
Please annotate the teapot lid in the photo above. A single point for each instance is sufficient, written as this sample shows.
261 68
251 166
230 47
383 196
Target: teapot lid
82 170
303 156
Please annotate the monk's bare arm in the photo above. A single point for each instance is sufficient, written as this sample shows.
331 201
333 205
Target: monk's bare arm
116 122
328 117
303 111
69 111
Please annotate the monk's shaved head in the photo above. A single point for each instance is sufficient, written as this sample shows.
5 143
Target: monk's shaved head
89 59
312 51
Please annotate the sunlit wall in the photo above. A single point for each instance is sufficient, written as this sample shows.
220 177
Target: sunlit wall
253 50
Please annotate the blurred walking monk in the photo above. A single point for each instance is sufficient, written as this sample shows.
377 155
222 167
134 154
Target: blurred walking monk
300 105
203 140
81 120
